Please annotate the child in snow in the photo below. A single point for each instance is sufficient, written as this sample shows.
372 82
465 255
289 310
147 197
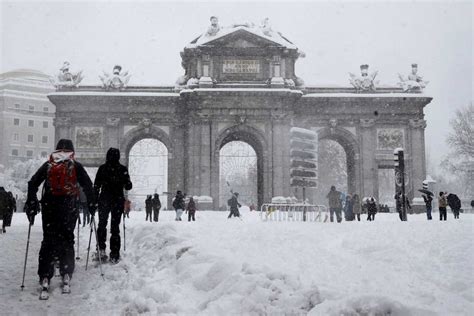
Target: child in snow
191 209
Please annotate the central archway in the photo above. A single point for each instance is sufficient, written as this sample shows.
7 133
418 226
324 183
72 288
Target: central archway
256 141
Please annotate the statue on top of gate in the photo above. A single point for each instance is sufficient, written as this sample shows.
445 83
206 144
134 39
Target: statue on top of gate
214 28
116 80
364 82
65 78
414 83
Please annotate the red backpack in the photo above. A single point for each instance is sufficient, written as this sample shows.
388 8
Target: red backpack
62 176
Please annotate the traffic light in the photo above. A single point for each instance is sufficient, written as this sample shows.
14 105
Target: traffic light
399 158
303 155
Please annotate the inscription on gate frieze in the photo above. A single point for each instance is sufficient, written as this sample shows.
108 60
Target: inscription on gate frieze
240 66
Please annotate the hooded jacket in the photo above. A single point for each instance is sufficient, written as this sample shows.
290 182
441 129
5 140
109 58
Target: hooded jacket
112 178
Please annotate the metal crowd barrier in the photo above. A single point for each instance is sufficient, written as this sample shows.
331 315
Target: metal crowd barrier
293 212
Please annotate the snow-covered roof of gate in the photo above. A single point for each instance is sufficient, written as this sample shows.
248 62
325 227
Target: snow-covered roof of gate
268 35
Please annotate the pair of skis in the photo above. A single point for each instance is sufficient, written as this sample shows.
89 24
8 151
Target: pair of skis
66 288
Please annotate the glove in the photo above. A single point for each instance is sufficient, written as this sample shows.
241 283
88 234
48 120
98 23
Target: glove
31 208
92 209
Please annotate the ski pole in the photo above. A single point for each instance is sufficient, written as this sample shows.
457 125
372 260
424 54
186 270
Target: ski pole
97 247
78 224
26 256
124 240
89 247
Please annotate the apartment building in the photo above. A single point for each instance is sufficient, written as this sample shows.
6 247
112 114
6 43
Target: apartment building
26 116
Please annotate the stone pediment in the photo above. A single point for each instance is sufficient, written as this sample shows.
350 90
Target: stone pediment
242 37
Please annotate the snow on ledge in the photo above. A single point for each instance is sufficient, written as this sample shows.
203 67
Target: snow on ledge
115 94
365 95
241 90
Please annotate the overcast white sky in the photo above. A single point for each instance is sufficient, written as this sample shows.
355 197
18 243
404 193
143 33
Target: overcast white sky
146 38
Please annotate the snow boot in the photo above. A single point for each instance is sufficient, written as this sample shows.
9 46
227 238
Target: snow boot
114 260
66 284
102 255
44 294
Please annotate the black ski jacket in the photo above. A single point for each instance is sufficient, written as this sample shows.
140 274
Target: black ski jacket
112 178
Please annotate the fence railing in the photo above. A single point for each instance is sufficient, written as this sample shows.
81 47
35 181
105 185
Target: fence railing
293 212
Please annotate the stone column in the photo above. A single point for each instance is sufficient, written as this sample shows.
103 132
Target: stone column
281 156
367 157
63 128
199 163
177 161
417 151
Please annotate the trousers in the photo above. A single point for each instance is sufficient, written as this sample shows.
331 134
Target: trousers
115 209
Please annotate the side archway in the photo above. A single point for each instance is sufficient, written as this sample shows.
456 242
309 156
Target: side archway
351 147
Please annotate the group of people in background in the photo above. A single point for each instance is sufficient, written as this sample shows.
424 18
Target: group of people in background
152 206
7 208
352 206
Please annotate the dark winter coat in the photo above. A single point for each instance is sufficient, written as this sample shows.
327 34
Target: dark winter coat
41 176
371 207
148 204
156 203
454 202
178 202
112 178
191 206
4 203
233 203
334 198
428 199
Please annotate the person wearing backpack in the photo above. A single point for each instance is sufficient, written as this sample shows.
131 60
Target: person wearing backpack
234 205
62 175
112 178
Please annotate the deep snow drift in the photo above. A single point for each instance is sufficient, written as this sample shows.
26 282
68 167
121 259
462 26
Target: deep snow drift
216 266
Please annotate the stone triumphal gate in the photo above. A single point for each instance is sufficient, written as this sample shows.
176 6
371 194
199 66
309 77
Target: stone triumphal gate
240 84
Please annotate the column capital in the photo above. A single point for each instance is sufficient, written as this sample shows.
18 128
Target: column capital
367 123
112 121
62 121
417 123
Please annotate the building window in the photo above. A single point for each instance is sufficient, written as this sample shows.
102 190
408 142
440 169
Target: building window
31 108
44 139
44 154
16 137
45 109
31 123
14 152
29 153
16 121
17 106
45 124
30 138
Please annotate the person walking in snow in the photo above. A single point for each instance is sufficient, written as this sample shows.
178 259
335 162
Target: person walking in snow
428 200
371 209
442 204
191 209
348 209
335 204
234 205
112 178
62 175
148 207
4 208
156 204
356 206
455 204
179 205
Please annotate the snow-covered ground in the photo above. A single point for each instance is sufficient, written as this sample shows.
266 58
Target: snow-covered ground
216 266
